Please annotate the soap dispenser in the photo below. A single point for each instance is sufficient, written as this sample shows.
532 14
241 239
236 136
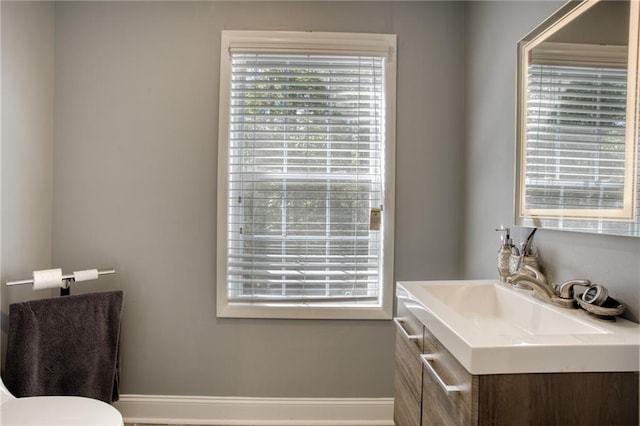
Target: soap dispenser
504 253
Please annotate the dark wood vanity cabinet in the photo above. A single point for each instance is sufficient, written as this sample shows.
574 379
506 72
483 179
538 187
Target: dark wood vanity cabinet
563 399
408 369
596 399
545 399
439 407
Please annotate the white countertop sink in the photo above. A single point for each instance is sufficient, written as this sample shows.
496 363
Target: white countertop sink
493 328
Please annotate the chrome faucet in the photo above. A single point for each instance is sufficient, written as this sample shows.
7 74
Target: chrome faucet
559 296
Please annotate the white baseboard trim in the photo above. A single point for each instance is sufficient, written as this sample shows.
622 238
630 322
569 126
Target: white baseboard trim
228 411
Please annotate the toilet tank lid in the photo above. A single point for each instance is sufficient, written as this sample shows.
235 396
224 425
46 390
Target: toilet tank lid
59 410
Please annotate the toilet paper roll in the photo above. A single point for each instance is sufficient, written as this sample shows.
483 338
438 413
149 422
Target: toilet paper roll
89 274
48 278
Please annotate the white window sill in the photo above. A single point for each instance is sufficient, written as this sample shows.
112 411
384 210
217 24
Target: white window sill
305 311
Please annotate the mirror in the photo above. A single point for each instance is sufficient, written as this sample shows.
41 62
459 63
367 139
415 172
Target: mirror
577 165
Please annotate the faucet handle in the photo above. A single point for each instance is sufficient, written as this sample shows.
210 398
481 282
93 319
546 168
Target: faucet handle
530 270
565 290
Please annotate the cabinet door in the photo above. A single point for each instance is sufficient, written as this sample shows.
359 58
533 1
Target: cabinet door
408 369
449 391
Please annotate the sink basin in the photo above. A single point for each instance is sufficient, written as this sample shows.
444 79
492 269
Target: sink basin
496 309
493 328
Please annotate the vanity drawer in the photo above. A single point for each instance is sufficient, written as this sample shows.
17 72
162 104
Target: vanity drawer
449 390
408 369
408 325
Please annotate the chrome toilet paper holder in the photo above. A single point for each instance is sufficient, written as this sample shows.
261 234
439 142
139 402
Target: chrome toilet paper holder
66 280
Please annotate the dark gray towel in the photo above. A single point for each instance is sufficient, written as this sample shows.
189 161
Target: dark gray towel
65 346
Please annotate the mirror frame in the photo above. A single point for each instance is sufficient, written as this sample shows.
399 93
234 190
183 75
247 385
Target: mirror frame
628 221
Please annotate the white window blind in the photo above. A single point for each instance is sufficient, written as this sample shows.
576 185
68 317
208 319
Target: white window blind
306 163
306 153
575 147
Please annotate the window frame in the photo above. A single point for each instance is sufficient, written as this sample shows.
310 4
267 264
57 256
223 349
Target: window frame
318 43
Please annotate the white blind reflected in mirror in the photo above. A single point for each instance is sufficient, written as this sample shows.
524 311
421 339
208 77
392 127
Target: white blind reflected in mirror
576 137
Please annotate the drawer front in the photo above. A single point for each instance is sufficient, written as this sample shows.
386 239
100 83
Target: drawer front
410 324
457 404
408 369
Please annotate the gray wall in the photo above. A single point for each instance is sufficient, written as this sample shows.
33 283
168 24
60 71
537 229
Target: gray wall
27 146
135 177
491 32
134 165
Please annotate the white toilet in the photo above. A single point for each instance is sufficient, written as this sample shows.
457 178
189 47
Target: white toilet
55 411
